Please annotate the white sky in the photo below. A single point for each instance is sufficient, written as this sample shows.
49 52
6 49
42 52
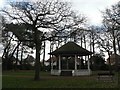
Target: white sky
90 8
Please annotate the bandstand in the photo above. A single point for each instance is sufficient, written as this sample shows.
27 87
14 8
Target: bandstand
68 60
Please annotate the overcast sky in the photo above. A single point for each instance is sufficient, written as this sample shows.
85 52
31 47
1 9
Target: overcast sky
90 8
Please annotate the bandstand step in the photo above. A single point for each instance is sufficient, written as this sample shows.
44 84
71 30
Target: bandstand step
66 73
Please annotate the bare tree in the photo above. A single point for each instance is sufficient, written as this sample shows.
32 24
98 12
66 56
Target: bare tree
40 15
105 44
111 22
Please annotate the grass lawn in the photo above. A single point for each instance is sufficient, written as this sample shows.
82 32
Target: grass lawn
24 79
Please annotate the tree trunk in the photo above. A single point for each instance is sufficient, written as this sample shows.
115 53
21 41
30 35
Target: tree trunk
16 58
90 44
81 40
50 55
109 61
38 44
14 50
44 57
114 46
21 57
118 42
85 47
93 44
37 64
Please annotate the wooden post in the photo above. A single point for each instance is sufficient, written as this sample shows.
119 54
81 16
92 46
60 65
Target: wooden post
88 64
67 63
59 62
75 62
51 63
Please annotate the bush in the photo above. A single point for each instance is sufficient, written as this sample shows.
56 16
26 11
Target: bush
98 63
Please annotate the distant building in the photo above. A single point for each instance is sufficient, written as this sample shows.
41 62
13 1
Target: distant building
29 60
113 58
53 58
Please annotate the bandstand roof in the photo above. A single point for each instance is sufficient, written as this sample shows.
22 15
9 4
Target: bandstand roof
70 49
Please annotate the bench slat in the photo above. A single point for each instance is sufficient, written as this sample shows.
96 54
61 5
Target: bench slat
105 76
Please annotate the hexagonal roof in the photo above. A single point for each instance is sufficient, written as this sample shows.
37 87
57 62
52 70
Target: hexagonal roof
71 48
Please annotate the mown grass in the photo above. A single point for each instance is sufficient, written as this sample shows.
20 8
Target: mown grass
25 79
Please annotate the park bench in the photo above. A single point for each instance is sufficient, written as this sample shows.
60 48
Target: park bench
105 76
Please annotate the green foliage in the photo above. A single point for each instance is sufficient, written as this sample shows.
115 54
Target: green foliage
7 64
97 62
23 32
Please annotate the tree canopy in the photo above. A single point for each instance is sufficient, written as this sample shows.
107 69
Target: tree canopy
32 19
